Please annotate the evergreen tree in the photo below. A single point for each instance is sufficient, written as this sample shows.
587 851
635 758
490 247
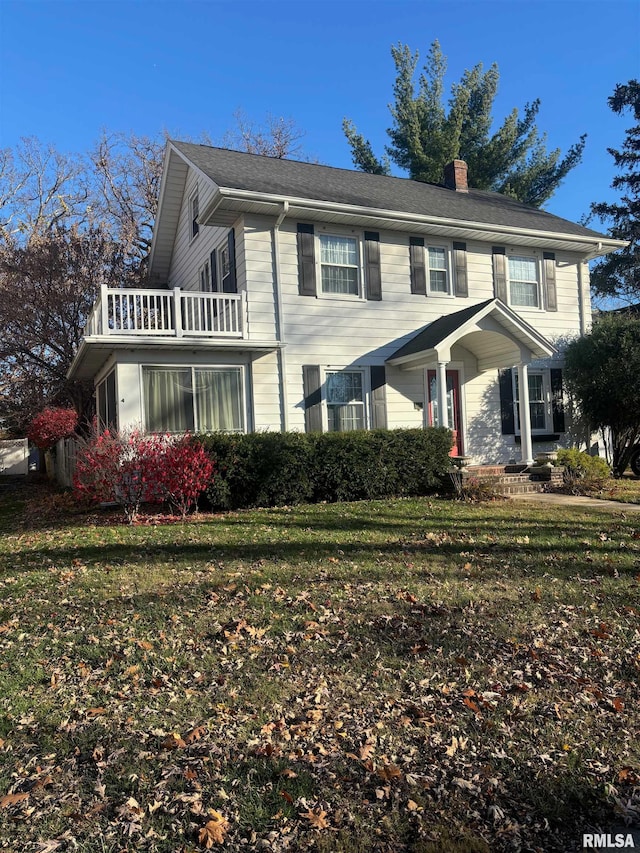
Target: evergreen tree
618 275
600 371
425 136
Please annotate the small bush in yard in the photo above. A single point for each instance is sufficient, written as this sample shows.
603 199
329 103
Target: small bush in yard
132 468
51 425
182 472
119 468
582 472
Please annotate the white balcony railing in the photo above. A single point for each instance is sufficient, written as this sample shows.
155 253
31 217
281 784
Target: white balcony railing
168 313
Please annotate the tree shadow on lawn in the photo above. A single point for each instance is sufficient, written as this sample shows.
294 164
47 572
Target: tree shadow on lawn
536 547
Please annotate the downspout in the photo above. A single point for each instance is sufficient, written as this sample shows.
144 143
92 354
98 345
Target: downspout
279 318
581 300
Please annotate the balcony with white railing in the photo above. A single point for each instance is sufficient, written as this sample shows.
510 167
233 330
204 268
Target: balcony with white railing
168 314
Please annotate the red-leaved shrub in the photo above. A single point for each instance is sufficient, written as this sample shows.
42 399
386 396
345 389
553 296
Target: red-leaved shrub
52 424
184 472
131 468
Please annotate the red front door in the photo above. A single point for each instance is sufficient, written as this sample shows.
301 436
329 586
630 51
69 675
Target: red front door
453 407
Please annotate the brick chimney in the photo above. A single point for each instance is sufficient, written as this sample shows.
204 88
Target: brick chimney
455 176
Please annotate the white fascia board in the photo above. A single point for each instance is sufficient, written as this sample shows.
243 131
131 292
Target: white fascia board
600 245
169 150
163 183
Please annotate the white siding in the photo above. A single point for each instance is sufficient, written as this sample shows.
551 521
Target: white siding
338 332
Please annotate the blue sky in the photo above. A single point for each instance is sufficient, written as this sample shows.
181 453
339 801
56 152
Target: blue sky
69 69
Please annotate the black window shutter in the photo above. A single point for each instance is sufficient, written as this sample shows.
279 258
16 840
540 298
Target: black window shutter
557 400
507 412
373 281
378 397
312 398
549 272
306 260
499 273
461 285
213 264
230 284
416 257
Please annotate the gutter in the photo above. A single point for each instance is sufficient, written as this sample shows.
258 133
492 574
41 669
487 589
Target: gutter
280 354
600 245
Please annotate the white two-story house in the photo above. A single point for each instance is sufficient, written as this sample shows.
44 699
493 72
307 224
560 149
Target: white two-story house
291 296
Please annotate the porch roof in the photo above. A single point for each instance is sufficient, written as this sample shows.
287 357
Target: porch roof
490 330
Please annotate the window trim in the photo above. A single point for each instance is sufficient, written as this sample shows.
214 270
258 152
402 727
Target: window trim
244 402
527 254
359 239
545 372
194 212
100 390
446 248
366 393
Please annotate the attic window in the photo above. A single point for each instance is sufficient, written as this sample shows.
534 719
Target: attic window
194 210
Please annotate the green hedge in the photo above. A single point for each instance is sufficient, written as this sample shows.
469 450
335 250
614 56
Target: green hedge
271 468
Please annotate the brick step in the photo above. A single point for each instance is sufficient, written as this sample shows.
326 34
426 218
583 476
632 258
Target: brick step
493 470
526 487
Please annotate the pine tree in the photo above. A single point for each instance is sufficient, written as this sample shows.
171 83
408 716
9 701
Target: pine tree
618 275
425 136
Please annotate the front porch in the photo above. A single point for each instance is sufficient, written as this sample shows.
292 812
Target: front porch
493 338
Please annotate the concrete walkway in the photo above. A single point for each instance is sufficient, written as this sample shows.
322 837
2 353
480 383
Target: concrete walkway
558 499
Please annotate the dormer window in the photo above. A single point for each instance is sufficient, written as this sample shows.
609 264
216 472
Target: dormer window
194 210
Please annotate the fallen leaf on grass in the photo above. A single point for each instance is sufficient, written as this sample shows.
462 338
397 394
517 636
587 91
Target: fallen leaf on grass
173 741
12 799
214 831
195 734
389 771
366 750
316 818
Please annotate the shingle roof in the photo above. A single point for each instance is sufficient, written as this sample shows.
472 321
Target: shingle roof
430 336
257 173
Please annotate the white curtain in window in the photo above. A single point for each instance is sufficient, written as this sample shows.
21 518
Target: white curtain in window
338 250
523 277
339 261
345 407
537 405
346 418
168 400
437 271
219 400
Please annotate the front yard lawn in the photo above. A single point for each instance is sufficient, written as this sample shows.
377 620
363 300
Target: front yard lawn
411 675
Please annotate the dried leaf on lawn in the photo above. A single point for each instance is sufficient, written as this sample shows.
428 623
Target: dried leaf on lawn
316 818
214 831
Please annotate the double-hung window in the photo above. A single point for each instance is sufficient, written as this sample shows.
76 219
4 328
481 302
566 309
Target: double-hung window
523 281
206 399
438 279
538 405
345 400
339 267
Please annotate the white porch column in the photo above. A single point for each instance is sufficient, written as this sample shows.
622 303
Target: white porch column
441 384
525 414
